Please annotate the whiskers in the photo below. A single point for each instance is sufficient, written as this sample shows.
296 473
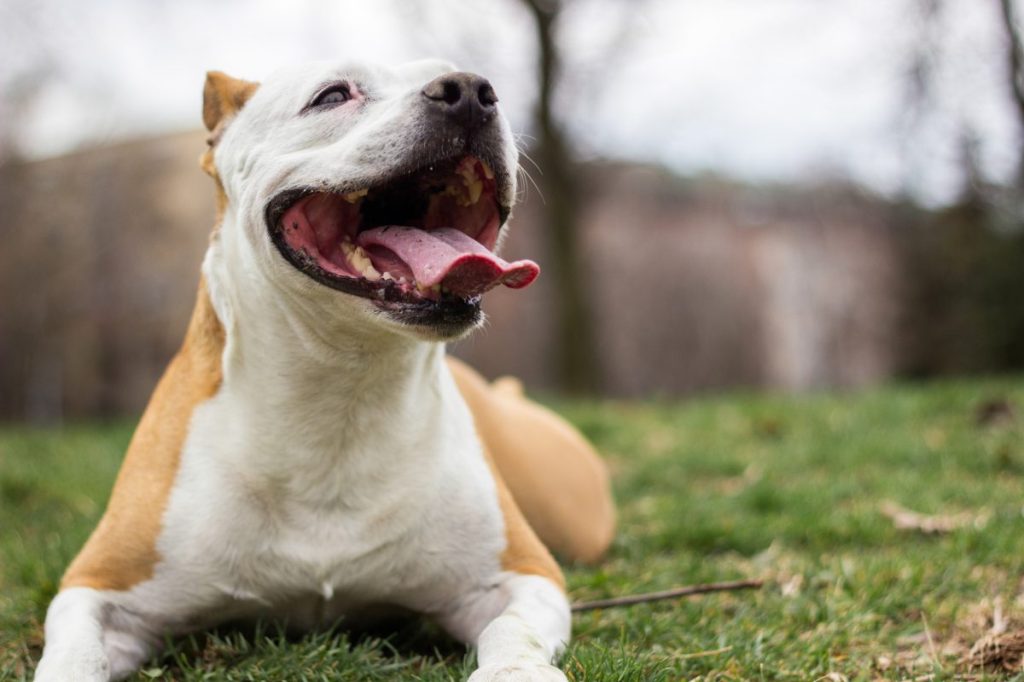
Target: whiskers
523 175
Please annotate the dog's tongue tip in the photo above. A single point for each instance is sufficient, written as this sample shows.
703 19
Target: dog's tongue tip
449 257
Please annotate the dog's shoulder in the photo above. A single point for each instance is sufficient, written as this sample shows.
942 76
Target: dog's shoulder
122 551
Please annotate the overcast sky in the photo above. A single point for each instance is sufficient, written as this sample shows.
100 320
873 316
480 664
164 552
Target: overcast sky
778 90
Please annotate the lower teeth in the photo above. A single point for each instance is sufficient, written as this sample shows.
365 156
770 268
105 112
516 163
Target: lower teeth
359 260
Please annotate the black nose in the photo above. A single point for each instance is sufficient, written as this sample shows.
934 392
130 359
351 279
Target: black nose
464 97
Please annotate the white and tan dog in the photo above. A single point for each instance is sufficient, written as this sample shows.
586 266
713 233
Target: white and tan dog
310 453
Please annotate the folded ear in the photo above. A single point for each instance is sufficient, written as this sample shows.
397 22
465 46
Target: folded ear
223 96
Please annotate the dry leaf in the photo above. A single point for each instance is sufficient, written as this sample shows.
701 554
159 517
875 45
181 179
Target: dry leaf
791 587
905 519
834 677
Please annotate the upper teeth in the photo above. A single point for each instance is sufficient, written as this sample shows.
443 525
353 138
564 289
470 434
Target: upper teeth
354 197
474 186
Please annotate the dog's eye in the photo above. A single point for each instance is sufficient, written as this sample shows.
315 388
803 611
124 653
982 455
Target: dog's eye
331 96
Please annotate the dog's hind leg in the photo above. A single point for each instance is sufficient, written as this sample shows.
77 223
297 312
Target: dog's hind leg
556 477
88 639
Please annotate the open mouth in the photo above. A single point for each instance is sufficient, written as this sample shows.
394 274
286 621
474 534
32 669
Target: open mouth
425 237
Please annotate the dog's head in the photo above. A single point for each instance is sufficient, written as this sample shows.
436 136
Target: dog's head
372 192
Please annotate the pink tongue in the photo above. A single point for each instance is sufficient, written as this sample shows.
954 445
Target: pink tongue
443 256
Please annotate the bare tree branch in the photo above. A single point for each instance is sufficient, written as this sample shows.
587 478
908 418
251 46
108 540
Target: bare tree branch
577 352
1015 62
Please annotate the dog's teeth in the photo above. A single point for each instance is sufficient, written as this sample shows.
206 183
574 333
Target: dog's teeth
488 173
370 272
474 186
434 288
387 276
354 197
360 260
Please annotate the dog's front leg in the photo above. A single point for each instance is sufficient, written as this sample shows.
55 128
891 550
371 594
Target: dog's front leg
87 642
519 627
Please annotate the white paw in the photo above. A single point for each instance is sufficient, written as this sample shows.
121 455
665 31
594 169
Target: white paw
518 672
72 668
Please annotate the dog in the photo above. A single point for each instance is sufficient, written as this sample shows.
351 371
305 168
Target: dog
311 453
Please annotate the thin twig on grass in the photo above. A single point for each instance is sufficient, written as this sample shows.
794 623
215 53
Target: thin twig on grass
675 593
702 654
936 661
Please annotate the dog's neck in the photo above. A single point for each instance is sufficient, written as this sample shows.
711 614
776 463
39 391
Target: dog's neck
341 389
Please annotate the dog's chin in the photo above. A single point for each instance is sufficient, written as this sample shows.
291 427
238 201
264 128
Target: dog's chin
448 320
418 247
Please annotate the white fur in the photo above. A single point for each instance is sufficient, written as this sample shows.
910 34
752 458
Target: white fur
88 641
518 641
337 469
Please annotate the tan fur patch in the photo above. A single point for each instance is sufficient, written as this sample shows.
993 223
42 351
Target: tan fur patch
557 484
223 97
524 552
122 550
206 163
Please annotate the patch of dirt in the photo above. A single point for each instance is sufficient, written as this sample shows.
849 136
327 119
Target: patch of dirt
1002 651
985 640
995 412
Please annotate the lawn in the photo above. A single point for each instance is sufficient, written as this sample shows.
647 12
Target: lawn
789 489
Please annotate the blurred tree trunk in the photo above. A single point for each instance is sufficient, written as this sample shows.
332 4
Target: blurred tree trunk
576 352
1015 73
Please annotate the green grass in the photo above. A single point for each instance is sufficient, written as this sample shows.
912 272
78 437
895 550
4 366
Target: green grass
784 488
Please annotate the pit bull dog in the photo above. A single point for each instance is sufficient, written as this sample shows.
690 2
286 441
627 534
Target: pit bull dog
310 453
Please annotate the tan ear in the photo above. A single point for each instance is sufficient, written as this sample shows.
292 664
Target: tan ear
223 96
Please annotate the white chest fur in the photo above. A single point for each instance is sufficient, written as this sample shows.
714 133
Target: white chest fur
338 484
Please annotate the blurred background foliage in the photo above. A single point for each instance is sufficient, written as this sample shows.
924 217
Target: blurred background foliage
780 194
